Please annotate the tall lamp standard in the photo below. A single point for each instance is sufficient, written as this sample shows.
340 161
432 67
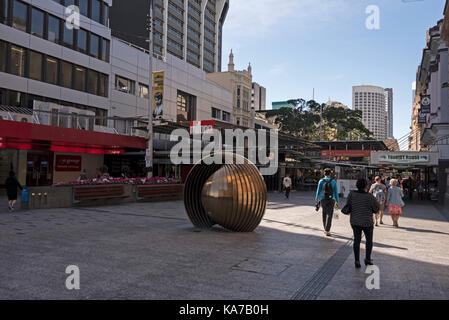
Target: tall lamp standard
149 151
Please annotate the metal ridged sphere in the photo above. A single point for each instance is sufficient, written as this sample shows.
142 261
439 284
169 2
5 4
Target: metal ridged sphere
233 196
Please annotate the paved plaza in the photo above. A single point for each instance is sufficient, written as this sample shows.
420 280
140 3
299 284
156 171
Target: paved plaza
151 251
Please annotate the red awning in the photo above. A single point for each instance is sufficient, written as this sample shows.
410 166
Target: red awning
29 136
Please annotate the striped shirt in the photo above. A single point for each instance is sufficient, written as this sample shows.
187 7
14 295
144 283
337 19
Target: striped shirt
363 205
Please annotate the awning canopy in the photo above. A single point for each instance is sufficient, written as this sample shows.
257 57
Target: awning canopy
30 136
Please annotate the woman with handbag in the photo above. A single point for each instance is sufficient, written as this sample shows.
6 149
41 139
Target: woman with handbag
395 202
361 206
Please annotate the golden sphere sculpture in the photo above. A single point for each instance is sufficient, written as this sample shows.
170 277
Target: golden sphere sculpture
233 196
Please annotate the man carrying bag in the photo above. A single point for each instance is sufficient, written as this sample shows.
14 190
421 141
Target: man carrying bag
327 194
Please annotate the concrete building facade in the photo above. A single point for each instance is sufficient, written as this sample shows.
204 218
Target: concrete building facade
371 101
240 84
258 97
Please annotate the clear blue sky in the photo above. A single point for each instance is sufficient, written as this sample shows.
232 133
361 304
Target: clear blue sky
297 45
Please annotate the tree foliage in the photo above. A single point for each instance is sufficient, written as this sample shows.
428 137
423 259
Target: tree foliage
303 120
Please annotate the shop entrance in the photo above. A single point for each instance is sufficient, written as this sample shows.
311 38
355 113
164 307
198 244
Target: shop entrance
39 168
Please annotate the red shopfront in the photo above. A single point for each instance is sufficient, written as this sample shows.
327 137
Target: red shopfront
42 155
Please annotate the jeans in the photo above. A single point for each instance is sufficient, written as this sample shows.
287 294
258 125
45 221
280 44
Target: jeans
328 213
368 231
287 192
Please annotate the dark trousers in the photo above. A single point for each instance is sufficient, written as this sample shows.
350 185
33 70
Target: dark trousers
368 231
328 213
287 192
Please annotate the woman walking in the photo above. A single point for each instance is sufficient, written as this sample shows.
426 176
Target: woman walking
12 184
394 201
362 205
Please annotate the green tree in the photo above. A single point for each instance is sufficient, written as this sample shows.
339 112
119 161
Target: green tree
304 118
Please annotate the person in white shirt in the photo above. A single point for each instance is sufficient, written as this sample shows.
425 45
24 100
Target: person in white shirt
287 185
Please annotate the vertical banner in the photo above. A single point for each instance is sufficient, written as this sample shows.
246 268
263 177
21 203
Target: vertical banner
158 94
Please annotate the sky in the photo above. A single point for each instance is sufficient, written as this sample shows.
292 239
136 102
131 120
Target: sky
296 46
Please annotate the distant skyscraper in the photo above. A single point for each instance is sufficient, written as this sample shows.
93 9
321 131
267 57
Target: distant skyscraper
389 109
371 101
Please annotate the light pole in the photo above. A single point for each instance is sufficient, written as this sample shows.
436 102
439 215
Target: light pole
149 151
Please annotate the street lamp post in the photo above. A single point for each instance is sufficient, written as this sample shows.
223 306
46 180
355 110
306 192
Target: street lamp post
149 152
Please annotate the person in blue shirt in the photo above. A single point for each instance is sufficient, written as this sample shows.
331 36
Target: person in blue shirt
327 194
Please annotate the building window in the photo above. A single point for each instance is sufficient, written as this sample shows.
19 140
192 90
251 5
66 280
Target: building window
226 116
82 40
53 29
185 107
105 50
35 65
37 23
105 15
68 36
175 8
84 7
3 47
92 83
216 113
80 79
94 45
124 85
66 74
17 59
20 16
103 85
95 10
51 71
4 12
143 91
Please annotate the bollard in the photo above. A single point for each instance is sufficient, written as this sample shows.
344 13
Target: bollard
24 199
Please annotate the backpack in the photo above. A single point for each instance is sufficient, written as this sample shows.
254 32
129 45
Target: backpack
328 189
379 194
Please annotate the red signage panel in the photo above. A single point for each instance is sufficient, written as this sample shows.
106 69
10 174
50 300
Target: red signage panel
202 127
346 153
67 163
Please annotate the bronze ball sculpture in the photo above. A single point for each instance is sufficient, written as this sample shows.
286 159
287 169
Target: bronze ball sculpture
233 196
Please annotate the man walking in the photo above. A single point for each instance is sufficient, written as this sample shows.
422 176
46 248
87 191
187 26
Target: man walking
287 185
327 193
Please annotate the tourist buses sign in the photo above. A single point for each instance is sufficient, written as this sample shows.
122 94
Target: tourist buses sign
404 158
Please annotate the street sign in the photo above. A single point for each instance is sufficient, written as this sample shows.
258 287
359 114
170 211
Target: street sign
148 163
425 104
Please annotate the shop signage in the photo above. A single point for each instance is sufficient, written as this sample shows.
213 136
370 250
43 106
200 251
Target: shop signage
158 94
425 104
422 117
68 163
404 158
202 127
2 143
346 153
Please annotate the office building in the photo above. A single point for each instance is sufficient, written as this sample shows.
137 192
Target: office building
188 29
371 101
389 110
258 97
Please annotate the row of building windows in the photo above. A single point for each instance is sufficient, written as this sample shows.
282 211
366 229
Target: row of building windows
24 62
26 100
221 115
94 9
29 19
129 86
